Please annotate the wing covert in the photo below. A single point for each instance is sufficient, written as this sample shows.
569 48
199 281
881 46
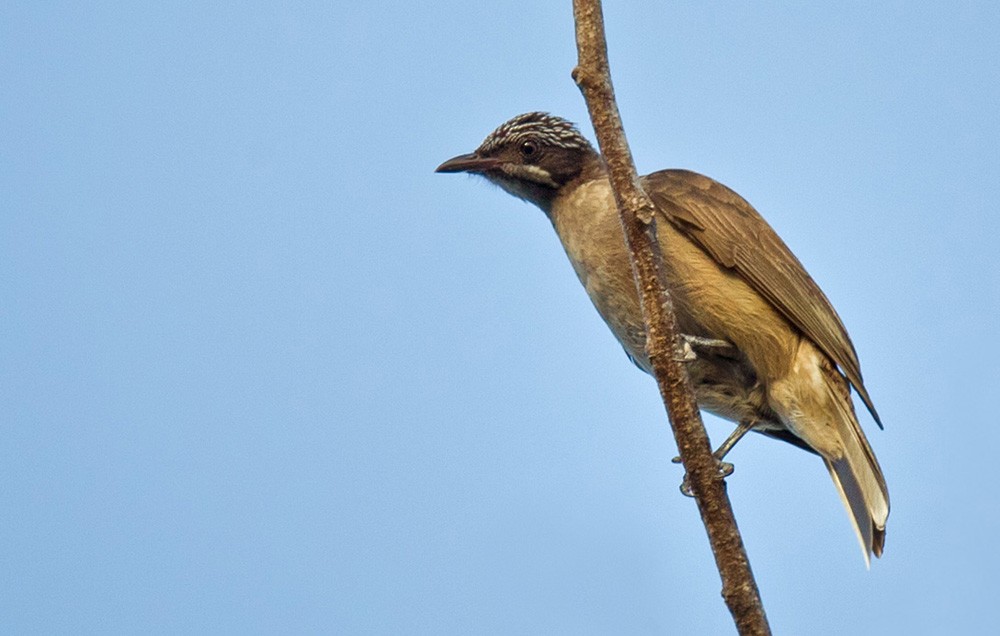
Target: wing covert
731 231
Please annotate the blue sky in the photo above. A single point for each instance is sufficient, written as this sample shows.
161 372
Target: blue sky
262 370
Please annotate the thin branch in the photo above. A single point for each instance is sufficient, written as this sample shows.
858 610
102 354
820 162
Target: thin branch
638 219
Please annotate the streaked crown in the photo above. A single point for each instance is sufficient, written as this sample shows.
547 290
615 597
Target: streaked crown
539 127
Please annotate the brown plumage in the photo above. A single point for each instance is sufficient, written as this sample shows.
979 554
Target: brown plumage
723 224
731 278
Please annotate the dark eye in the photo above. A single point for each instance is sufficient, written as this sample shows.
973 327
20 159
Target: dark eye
528 149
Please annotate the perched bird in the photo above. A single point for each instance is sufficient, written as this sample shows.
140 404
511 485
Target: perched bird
771 353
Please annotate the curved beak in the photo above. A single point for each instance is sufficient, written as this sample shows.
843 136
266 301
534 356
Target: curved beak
467 163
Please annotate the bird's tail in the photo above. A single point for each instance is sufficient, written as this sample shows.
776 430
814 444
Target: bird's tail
858 477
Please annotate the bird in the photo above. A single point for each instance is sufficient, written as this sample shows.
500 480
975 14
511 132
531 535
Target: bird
769 351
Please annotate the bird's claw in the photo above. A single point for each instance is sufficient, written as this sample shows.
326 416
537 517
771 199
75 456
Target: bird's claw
689 343
725 470
685 353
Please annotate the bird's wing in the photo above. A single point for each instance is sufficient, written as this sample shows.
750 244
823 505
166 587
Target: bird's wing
723 224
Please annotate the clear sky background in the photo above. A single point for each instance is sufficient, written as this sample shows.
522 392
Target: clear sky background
262 370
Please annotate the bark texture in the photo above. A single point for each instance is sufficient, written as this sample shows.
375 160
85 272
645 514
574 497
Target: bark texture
638 218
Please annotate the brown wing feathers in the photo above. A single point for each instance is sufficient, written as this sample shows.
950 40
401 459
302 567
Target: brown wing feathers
728 228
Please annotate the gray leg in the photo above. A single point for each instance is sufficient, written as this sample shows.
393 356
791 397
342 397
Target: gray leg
742 429
725 468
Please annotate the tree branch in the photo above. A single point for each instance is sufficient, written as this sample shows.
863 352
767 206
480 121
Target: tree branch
638 219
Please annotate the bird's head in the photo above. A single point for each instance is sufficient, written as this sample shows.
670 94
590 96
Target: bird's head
532 156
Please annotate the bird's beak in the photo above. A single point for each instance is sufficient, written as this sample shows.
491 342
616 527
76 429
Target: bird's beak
468 163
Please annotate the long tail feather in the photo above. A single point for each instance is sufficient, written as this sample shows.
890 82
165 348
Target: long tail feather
859 480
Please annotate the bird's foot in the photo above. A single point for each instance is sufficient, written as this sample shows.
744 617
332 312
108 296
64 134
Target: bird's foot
691 346
725 470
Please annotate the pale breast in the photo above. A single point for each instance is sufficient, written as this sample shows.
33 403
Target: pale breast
709 300
587 224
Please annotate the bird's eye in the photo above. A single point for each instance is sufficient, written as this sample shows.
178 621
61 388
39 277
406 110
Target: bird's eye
529 149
